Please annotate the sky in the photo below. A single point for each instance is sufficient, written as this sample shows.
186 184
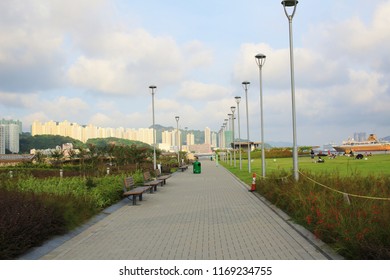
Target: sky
92 62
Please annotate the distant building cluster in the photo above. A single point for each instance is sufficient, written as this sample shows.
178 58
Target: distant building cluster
360 136
171 140
85 132
10 131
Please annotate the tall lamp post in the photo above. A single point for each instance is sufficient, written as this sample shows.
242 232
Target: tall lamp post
234 143
177 139
245 84
224 138
230 136
292 3
152 88
260 60
238 99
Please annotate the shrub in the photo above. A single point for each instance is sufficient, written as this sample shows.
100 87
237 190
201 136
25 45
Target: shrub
25 221
357 230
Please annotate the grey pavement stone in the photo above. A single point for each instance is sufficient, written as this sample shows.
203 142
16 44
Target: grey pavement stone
207 216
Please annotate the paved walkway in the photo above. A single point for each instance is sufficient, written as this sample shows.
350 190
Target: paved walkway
207 216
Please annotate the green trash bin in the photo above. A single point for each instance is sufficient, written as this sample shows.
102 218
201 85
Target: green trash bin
197 167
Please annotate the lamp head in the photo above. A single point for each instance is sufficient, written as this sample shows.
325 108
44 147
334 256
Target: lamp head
260 59
233 108
245 83
289 3
238 99
177 118
152 88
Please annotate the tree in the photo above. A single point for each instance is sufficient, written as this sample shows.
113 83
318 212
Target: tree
57 155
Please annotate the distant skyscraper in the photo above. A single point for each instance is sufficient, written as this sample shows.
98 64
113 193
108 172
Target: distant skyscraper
214 142
190 139
2 139
17 122
85 132
359 136
9 136
167 138
13 138
207 136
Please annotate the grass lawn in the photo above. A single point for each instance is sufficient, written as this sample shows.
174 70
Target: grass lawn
356 227
344 166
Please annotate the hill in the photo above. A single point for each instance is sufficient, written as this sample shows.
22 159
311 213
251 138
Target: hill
28 142
104 142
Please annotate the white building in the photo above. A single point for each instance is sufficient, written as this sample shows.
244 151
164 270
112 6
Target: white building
13 138
214 142
207 136
190 139
2 139
9 138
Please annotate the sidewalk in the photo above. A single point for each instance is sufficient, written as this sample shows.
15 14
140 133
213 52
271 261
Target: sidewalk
203 216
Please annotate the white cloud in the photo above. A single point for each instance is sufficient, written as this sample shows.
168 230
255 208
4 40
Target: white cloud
199 55
353 40
63 107
192 90
17 100
311 68
124 62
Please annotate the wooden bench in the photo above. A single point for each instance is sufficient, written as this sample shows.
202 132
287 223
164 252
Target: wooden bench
148 181
183 167
130 190
163 177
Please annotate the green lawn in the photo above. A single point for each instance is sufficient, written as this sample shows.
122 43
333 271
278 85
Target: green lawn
345 166
356 227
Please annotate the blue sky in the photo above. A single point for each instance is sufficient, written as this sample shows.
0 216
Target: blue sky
92 61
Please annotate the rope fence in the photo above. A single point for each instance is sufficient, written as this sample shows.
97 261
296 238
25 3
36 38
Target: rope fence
346 195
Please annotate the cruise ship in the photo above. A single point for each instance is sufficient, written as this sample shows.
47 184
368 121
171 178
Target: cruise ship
372 144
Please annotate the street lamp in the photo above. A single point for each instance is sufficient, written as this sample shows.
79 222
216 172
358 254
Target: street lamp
223 145
234 146
238 99
177 139
225 140
292 3
260 60
152 88
230 135
245 84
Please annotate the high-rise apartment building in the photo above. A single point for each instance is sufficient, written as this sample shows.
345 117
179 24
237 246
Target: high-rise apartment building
190 139
13 138
2 139
214 142
85 132
10 131
360 136
17 122
207 136
167 138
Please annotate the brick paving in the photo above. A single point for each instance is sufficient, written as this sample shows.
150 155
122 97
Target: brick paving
207 216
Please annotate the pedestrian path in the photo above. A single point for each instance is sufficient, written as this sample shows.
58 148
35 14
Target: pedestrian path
207 216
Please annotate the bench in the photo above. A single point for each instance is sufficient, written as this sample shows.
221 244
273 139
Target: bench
183 167
163 177
130 190
148 181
